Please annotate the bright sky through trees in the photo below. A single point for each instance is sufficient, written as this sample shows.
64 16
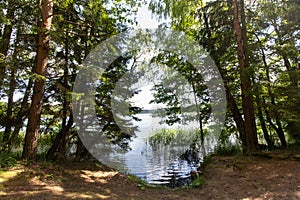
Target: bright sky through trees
146 19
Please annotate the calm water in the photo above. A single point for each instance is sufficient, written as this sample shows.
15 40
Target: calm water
156 166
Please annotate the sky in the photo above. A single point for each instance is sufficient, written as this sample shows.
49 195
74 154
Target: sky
147 20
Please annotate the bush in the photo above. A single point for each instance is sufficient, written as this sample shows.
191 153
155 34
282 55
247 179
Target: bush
228 150
8 160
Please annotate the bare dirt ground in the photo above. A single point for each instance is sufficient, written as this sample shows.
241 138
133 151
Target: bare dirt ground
265 176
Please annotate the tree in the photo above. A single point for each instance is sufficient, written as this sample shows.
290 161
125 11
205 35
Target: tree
214 32
44 25
265 87
116 122
173 91
77 29
245 74
216 37
5 38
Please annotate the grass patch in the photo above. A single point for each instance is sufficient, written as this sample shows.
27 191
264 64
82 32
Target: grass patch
173 136
136 179
141 183
198 182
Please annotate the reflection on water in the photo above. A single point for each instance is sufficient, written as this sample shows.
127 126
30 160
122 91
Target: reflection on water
158 166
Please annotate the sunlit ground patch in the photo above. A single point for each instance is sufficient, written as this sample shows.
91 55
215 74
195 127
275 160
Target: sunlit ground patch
6 175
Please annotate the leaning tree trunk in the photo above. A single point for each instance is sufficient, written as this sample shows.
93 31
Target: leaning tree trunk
263 123
31 137
278 129
10 102
9 112
245 75
231 102
21 115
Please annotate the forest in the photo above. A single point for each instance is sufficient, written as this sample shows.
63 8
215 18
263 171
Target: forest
254 45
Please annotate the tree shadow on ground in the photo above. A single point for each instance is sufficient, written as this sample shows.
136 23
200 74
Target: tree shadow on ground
226 178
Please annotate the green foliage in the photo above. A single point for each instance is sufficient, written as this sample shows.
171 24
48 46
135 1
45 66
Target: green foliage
228 150
206 161
293 128
173 136
228 143
3 107
44 143
136 179
273 55
8 160
78 26
2 58
38 77
105 100
18 142
198 182
181 89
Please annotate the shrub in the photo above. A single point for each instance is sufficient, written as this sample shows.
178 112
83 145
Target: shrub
8 160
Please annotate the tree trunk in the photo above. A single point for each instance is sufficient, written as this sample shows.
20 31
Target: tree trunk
231 102
10 103
31 137
280 134
58 138
21 115
6 40
245 74
294 82
278 129
199 117
81 129
9 112
291 71
65 96
263 124
237 117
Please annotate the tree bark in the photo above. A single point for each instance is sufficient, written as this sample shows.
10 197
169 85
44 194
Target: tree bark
10 103
21 115
65 96
9 112
31 137
6 40
245 74
58 139
79 145
237 117
278 129
263 123
231 102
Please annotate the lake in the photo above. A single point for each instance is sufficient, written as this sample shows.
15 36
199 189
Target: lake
156 166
